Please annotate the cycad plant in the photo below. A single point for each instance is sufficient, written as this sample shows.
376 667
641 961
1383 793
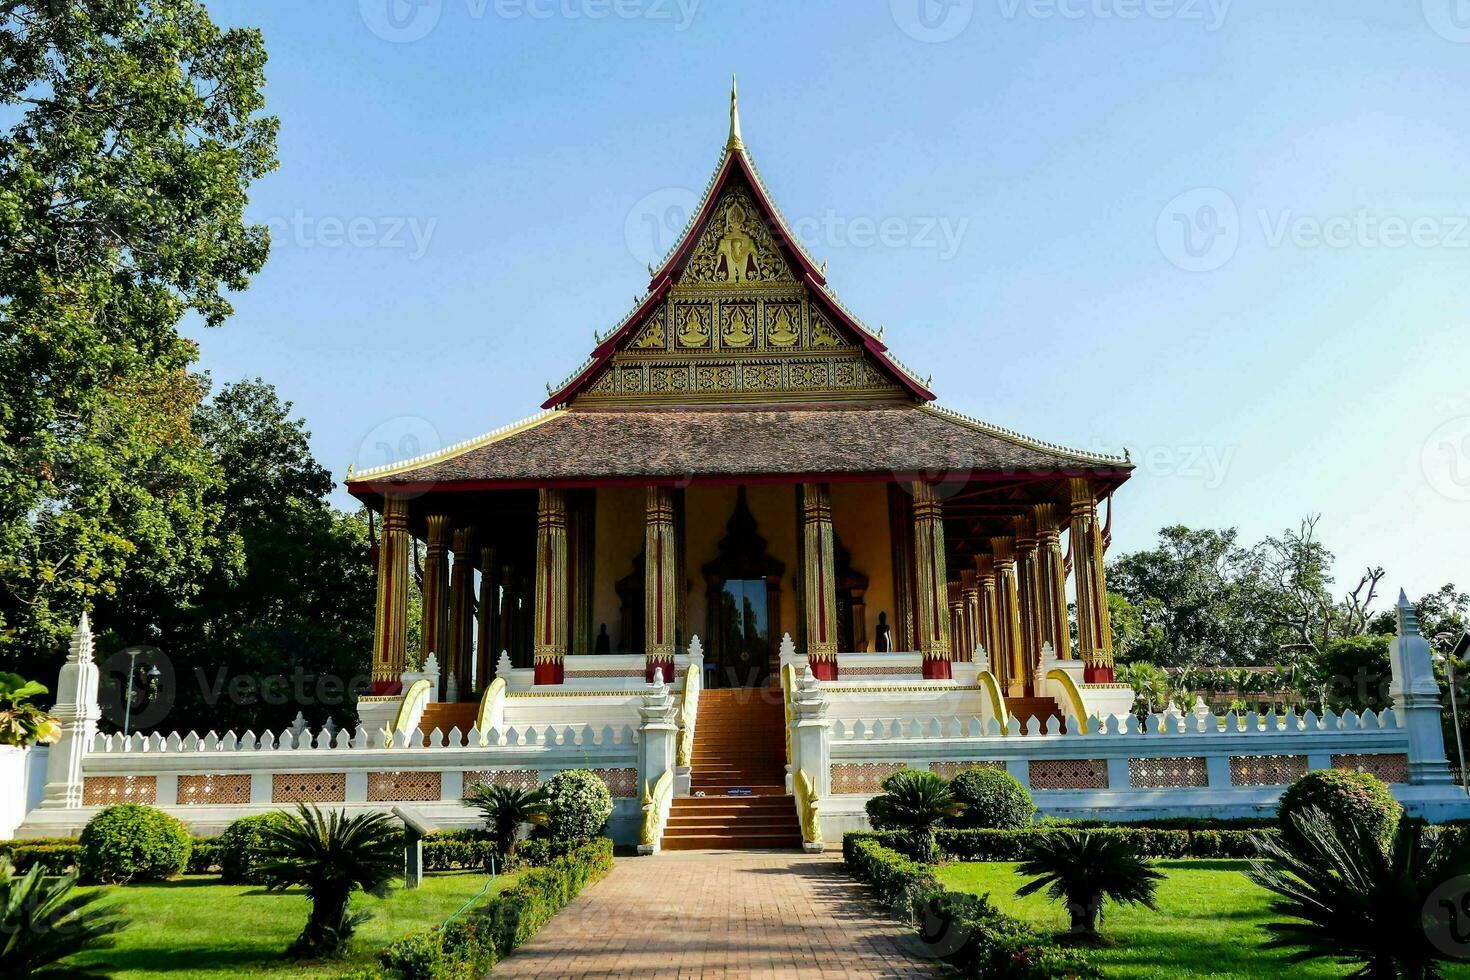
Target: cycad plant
916 802
1394 910
331 857
506 809
42 923
1083 870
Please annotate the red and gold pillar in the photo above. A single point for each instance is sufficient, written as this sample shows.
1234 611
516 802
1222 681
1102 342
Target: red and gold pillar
434 620
970 600
460 637
930 599
985 631
660 585
956 622
1051 578
390 624
488 632
1009 649
820 595
549 645
1027 595
1094 630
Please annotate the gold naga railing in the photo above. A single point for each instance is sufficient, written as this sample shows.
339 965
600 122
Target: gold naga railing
656 802
411 709
688 716
807 810
491 704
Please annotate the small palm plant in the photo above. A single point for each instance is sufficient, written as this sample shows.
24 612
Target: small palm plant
1394 909
41 923
1083 870
506 809
917 802
331 857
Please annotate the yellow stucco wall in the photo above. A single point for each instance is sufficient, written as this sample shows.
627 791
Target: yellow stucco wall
860 517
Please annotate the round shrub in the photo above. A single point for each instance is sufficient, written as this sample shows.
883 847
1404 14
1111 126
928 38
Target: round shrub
579 804
1346 798
129 842
241 847
993 799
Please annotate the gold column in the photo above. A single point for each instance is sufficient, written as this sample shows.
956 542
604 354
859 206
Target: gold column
1027 594
985 632
970 599
461 630
434 622
820 594
488 635
933 609
1052 581
509 600
1094 632
1009 650
549 644
900 535
390 623
956 622
660 585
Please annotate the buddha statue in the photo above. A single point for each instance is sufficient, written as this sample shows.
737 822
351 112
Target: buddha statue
783 332
737 328
693 333
736 246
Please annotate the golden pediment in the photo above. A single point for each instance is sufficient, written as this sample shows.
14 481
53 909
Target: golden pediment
735 247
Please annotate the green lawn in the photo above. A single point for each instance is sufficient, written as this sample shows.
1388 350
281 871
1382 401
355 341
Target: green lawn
198 929
1208 924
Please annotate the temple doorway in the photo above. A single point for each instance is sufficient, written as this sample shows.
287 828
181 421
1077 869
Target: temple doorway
743 603
745 632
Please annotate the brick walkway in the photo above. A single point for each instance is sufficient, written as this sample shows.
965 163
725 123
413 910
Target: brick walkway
709 914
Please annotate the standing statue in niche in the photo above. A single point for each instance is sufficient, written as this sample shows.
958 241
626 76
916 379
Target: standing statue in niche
736 246
882 637
604 642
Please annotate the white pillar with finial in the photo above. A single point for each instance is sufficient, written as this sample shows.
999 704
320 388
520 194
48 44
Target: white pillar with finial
1415 696
78 712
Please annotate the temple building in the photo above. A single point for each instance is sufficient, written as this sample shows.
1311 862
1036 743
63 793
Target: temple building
740 458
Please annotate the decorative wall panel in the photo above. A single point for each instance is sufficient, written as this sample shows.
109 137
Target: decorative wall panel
408 786
1168 773
1266 770
309 787
223 789
107 790
1068 774
1387 767
861 777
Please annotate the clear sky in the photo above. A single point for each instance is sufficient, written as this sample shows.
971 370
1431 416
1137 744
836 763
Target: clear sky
1229 236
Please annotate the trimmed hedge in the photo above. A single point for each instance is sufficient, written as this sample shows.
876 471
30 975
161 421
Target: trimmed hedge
469 947
993 799
1009 845
240 850
965 931
130 842
57 855
1346 798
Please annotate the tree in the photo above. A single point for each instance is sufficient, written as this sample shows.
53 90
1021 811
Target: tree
43 922
506 809
917 802
1083 870
1187 593
331 857
1353 900
134 133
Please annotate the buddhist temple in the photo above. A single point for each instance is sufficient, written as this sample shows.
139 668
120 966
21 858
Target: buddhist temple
741 457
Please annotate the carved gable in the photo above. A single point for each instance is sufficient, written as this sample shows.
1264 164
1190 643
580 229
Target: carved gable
735 246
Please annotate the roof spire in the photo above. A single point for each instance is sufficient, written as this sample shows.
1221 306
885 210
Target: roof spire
734 142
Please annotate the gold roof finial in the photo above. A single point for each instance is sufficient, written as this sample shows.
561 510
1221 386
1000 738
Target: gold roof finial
734 142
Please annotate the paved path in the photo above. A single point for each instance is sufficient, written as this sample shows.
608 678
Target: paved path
706 914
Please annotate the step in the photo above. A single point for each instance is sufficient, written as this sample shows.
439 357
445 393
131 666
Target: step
725 842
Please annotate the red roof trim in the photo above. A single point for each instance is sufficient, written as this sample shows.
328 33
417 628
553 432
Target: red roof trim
871 343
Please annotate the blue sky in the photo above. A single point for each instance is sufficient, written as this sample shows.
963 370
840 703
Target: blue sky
1229 236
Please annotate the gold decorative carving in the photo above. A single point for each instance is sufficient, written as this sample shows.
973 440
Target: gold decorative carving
737 325
822 333
652 336
783 323
735 247
694 328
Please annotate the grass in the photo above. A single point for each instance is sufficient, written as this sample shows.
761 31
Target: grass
198 929
1209 923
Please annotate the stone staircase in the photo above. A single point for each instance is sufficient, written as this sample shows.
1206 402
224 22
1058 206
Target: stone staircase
446 716
739 744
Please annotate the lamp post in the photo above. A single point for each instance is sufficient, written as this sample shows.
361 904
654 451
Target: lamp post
1462 648
153 675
